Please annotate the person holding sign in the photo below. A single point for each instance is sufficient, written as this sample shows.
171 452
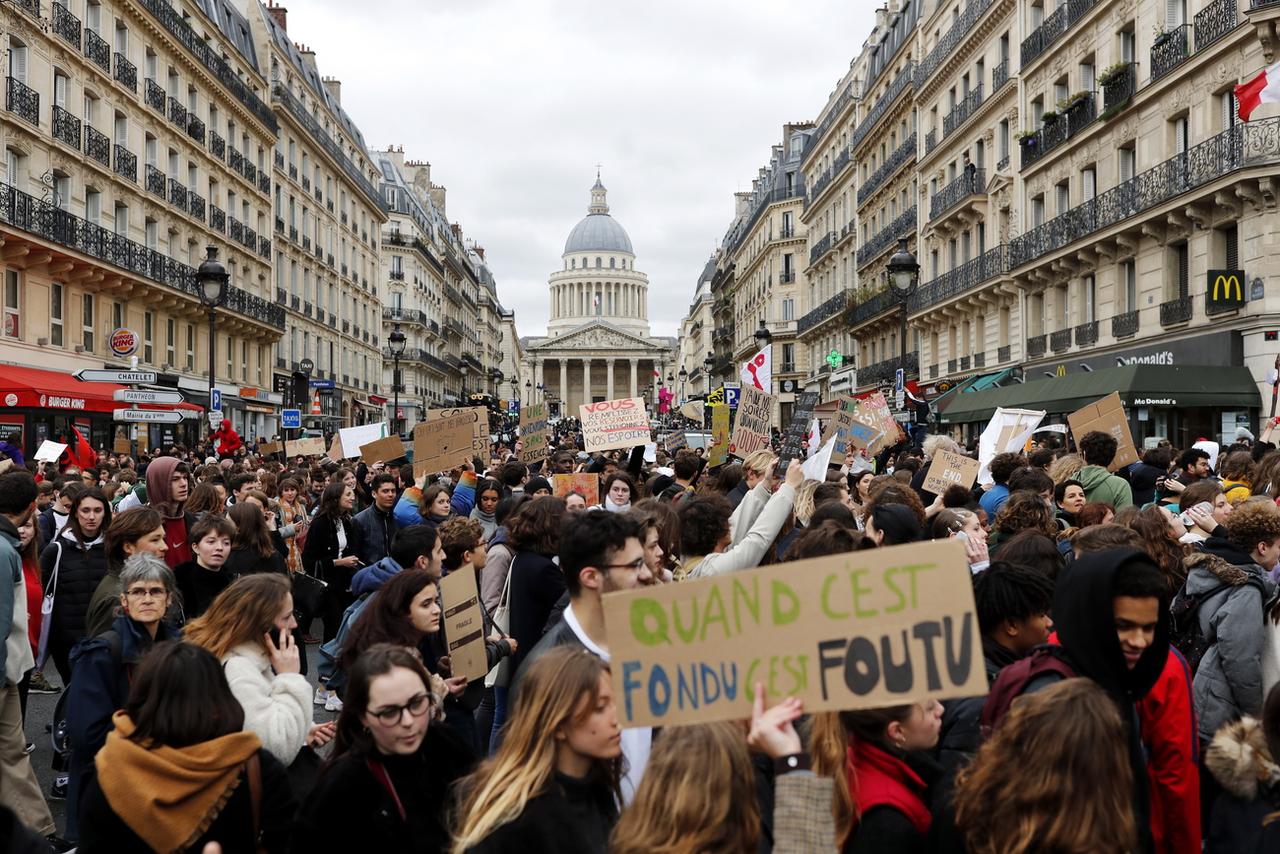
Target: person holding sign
706 534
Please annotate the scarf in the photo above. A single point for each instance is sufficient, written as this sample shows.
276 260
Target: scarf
616 508
488 521
878 778
170 796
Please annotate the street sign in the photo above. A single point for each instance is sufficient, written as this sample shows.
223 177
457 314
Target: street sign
731 395
322 383
87 375
899 380
215 399
291 419
147 416
306 366
137 395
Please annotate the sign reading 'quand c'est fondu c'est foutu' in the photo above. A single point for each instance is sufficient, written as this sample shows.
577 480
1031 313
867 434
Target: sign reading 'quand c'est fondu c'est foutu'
851 631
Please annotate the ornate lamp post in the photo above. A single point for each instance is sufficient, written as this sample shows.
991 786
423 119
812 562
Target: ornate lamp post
212 279
763 336
396 343
904 275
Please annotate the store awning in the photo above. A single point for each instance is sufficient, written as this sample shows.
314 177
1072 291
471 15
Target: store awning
1138 385
41 389
368 404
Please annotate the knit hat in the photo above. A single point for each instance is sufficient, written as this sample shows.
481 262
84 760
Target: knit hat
536 483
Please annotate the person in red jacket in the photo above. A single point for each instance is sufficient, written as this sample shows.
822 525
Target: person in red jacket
228 440
1167 719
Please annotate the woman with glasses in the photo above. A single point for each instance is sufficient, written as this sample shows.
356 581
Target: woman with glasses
104 666
387 784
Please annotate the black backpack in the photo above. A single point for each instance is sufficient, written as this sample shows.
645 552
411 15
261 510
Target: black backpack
1184 620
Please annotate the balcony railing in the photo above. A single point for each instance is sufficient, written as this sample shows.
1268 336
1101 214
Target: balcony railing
1169 51
1087 334
1215 21
885 371
1053 28
969 183
217 145
154 181
66 127
1119 88
888 236
264 182
1124 325
153 95
1000 75
97 144
126 165
404 315
66 25
819 184
31 7
1175 311
899 85
195 128
217 218
264 247
949 42
195 204
1071 121
961 111
177 194
961 280
1059 340
903 153
786 278
97 49
126 73
177 112
23 101
42 219
828 309
822 247
878 303
1238 147
930 142
1036 346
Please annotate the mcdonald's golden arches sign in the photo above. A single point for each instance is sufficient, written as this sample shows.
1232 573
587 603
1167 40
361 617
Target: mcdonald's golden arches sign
1225 290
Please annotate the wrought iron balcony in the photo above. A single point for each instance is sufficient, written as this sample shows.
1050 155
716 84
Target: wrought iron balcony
1087 334
306 243
306 308
786 278
264 247
237 229
97 49
264 182
1169 51
1238 147
1119 88
155 181
1035 346
126 73
195 205
1060 339
97 144
293 233
1175 311
1124 325
960 112
126 165
177 112
66 25
1002 164
293 171
177 194
885 371
1053 28
1000 75
295 302
964 186
153 94
822 247
306 183
860 311
31 7
1215 21
23 101
236 160
66 127
888 236
217 145
195 128
903 153
961 280
828 309
951 40
1005 353
217 218
819 184
1053 135
249 171
899 85
980 359
27 213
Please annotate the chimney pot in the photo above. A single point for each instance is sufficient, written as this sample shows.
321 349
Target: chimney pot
281 16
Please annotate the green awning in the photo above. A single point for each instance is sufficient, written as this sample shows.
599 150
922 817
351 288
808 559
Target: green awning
1139 385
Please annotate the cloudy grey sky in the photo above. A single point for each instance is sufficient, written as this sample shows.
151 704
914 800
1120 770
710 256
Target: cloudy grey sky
514 101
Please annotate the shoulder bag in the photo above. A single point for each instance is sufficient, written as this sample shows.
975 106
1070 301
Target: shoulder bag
46 611
500 675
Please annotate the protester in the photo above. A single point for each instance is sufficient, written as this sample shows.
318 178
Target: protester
890 525
434 504
536 582
1242 759
168 485
619 492
707 526
1099 450
1002 466
205 499
488 494
177 772
293 521
376 523
1237 475
140 529
1068 497
71 567
330 553
500 553
202 579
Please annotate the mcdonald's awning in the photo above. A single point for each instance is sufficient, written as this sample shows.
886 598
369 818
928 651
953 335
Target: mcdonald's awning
1139 385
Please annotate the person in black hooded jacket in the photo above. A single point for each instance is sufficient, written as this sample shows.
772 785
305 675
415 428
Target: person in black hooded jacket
1111 613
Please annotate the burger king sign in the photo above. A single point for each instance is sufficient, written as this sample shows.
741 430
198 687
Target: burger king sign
124 342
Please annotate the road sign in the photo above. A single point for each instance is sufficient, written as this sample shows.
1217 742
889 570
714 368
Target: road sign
306 366
291 419
137 395
731 395
215 399
322 383
86 375
147 416
899 380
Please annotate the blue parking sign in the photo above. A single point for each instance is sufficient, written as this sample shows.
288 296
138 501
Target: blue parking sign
215 399
291 419
731 395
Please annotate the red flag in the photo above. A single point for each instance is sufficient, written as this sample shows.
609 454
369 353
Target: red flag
79 452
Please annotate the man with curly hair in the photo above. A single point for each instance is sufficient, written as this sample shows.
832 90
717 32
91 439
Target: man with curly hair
1100 485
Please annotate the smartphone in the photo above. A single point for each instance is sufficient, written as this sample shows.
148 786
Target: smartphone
1202 507
962 537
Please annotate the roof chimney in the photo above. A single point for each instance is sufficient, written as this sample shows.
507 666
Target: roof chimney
480 252
280 14
333 86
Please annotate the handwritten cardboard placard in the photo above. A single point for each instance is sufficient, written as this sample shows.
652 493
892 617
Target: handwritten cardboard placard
1106 415
479 425
306 447
49 451
751 430
947 469
718 454
584 483
533 433
677 440
859 630
268 448
798 431
463 624
122 445
442 444
382 450
353 438
335 449
621 423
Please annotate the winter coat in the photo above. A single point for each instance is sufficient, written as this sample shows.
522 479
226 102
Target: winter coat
1228 682
198 587
1172 745
892 798
277 706
15 647
497 563
322 550
536 585
1142 483
993 499
1238 758
572 817
751 548
371 578
350 810
229 440
50 524
1101 485
79 572
461 500
375 530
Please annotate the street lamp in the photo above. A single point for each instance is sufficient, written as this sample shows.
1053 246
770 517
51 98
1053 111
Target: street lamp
212 279
683 375
396 342
763 336
904 274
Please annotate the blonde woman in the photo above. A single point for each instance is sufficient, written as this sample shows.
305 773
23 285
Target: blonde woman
1066 467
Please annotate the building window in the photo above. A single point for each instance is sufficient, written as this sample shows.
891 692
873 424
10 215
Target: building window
1037 211
57 293
1088 183
1129 283
148 332
244 360
170 341
87 313
191 347
1181 260
788 309
12 328
1227 246
1128 162
1089 298
788 357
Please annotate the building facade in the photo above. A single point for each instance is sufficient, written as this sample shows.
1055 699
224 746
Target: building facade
136 133
694 344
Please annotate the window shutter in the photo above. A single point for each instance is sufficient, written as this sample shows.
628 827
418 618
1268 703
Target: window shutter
1231 238
1229 117
1183 271
1174 14
18 62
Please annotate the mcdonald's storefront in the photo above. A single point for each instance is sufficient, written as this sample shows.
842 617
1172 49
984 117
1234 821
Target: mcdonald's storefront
1181 390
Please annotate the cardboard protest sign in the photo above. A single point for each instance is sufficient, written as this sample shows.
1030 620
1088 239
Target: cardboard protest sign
479 425
382 450
305 447
353 437
533 433
585 484
621 423
1106 415
335 450
718 454
49 452
268 448
441 444
859 630
676 440
751 430
947 469
463 625
798 431
877 404
1008 430
122 445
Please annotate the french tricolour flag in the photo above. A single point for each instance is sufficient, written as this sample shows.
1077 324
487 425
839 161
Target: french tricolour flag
1263 89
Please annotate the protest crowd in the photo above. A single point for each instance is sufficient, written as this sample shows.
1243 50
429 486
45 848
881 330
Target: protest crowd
459 695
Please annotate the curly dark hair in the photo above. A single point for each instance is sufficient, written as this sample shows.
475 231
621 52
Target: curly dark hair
704 520
1162 545
1004 465
895 492
1026 511
535 526
1251 523
1098 448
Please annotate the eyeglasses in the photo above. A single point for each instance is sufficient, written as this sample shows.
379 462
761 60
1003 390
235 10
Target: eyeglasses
147 592
416 707
635 565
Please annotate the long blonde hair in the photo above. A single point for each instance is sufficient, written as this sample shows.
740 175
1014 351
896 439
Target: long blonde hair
1065 467
560 689
242 613
676 811
1054 777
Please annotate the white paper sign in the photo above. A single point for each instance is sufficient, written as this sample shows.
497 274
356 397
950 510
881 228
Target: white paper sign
815 468
1008 430
49 451
354 438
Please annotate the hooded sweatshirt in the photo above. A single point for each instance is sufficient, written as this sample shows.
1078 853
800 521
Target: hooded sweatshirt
1101 485
229 440
159 483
